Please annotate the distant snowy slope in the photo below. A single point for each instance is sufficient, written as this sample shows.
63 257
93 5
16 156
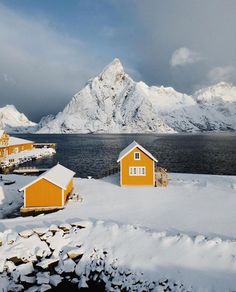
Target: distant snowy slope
13 121
113 103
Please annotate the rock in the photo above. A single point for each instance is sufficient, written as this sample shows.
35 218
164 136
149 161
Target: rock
47 264
75 280
55 280
54 228
45 287
43 252
2 264
83 282
75 254
26 233
25 269
11 238
17 261
78 224
15 287
42 278
33 289
28 279
1 238
67 266
10 266
40 230
47 235
65 227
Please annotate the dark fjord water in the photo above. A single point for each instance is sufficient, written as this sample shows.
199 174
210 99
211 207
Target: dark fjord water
92 155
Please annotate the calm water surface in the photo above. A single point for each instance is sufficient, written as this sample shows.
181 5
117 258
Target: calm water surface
92 155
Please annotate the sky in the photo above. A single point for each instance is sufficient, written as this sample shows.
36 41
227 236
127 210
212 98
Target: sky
49 49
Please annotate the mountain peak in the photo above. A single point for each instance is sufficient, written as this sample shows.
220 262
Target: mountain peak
112 70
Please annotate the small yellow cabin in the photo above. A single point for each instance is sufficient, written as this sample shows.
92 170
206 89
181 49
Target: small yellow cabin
137 166
12 145
51 189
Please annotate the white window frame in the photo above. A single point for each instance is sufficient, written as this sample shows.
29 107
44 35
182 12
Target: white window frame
137 170
138 155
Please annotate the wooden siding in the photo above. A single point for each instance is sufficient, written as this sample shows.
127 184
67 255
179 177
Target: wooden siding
68 190
8 150
43 194
129 161
4 139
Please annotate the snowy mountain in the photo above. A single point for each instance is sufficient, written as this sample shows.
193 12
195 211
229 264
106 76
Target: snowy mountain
13 121
113 103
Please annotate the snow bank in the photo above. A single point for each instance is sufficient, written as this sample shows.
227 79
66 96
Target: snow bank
121 256
181 237
27 155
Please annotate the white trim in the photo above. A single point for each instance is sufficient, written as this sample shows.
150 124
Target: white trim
130 148
138 170
154 174
138 156
44 176
24 198
62 197
121 173
38 179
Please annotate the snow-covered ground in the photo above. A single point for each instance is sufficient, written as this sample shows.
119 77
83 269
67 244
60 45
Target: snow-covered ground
27 155
184 233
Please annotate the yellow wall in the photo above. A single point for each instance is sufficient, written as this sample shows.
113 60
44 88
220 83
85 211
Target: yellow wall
145 161
68 190
11 149
4 139
43 194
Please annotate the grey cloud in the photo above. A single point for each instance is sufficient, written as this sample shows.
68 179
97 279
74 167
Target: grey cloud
40 68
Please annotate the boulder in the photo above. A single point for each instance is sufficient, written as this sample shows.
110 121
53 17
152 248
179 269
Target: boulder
28 279
65 227
47 264
75 254
25 269
26 233
42 278
40 230
55 280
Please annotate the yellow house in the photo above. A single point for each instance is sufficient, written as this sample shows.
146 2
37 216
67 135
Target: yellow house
137 166
12 145
50 189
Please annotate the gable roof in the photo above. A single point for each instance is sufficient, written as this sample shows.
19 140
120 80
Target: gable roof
132 146
58 175
16 141
1 133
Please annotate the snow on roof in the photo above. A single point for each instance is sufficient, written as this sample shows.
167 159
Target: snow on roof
1 133
130 147
58 175
16 141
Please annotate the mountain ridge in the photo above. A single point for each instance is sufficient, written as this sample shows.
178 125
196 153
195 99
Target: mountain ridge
12 121
112 102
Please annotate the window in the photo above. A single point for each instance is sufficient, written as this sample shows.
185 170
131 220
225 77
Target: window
136 156
137 171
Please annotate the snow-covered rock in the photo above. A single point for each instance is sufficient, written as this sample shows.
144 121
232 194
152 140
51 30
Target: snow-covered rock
114 103
12 121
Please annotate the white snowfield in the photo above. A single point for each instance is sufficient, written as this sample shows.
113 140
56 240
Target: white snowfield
12 121
27 155
185 232
114 103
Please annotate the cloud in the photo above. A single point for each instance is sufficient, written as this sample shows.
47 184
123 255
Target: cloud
217 74
184 56
41 68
